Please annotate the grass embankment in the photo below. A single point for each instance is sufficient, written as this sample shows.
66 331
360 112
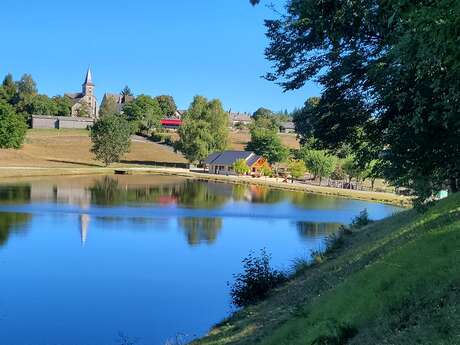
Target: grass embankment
396 281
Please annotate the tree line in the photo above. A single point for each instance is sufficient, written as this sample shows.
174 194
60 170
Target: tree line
390 77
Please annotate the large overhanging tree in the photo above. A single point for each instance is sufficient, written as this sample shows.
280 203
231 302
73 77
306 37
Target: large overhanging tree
390 72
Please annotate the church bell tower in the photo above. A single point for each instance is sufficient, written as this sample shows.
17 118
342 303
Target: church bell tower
88 86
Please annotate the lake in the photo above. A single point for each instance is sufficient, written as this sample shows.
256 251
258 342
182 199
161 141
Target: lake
95 260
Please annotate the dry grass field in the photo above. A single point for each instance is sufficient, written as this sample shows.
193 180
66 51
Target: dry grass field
239 139
71 148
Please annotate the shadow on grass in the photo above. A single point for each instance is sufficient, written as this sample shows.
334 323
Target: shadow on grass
74 162
156 164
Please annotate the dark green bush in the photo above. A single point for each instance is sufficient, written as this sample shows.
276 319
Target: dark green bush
256 281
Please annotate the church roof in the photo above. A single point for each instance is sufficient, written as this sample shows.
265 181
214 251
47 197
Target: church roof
89 78
74 96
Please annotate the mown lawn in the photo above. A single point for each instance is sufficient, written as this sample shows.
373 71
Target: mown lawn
393 282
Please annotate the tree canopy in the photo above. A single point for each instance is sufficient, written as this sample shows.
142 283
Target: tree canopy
144 112
319 163
204 129
390 78
110 136
167 105
266 143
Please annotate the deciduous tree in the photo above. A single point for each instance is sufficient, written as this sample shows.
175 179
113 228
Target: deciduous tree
390 78
167 105
110 136
204 129
266 143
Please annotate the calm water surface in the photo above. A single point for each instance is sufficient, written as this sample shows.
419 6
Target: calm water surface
85 259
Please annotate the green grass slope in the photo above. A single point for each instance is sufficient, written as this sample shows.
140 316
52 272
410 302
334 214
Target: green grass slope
396 281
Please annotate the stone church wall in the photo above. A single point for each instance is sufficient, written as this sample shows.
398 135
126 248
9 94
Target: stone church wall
40 121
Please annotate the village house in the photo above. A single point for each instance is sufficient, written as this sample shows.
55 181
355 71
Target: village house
221 163
287 127
239 118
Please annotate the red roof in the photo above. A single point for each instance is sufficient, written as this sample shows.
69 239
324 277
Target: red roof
171 122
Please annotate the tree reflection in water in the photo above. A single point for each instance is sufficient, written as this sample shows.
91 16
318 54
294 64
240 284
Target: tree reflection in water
200 230
12 223
14 194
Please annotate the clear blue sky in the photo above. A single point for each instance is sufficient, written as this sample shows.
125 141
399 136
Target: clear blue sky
182 48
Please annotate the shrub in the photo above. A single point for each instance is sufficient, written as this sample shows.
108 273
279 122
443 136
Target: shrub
256 281
241 167
361 220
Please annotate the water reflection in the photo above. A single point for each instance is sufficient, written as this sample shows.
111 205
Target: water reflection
308 230
12 223
143 189
200 230
166 197
15 194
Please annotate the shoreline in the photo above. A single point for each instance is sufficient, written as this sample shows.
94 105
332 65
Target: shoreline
10 173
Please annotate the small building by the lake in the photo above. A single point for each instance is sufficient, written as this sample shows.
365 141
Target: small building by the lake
221 163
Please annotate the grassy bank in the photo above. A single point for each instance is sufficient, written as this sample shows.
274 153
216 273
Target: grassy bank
396 281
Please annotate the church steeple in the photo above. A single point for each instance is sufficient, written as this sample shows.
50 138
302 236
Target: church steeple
88 86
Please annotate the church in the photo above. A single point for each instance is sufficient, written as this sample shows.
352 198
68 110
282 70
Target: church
84 104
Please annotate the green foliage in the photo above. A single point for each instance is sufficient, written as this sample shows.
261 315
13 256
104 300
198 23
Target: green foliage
241 167
266 143
351 168
26 86
33 104
319 163
266 171
13 127
110 136
204 129
302 120
126 91
9 87
296 168
167 105
256 281
265 118
63 105
391 82
144 112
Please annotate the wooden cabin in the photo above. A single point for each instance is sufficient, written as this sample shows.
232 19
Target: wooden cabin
221 163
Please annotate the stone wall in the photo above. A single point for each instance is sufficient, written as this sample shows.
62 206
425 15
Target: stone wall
41 121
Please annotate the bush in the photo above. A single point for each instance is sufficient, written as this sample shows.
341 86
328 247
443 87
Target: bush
161 137
361 220
241 167
257 280
13 127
